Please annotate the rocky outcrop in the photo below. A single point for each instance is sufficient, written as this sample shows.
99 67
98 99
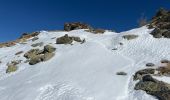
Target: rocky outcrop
79 25
68 39
35 56
161 23
154 87
76 25
12 67
22 39
139 74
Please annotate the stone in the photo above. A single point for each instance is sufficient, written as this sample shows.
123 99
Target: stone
154 87
49 49
76 25
18 53
64 40
150 64
11 68
34 39
47 56
139 74
36 59
32 53
37 44
68 39
121 73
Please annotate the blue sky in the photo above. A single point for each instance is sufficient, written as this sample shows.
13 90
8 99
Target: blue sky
19 16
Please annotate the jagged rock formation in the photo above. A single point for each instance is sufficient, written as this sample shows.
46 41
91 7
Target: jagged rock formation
76 25
154 87
161 23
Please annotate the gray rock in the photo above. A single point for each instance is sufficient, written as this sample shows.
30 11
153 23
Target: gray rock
76 25
47 56
37 44
154 87
49 49
150 64
121 73
139 74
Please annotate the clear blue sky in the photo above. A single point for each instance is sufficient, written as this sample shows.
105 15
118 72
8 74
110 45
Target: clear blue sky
19 16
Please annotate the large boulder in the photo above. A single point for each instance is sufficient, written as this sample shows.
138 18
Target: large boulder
11 68
154 87
36 59
76 25
47 56
32 53
68 39
37 44
49 49
35 56
139 74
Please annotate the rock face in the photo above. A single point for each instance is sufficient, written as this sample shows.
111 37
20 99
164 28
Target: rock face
36 56
68 39
76 25
161 23
154 87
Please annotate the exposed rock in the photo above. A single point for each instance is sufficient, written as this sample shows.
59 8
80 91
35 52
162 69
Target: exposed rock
165 61
35 38
49 49
76 25
161 23
35 56
35 59
37 44
121 73
22 39
120 43
32 53
150 64
29 35
68 39
47 56
64 40
11 68
96 31
18 53
130 36
154 87
139 74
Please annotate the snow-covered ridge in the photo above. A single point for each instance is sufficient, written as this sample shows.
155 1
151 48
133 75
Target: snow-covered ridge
82 71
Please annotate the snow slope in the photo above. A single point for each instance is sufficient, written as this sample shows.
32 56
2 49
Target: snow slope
82 71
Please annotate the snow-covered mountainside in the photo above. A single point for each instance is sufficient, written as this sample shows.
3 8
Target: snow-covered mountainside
82 71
